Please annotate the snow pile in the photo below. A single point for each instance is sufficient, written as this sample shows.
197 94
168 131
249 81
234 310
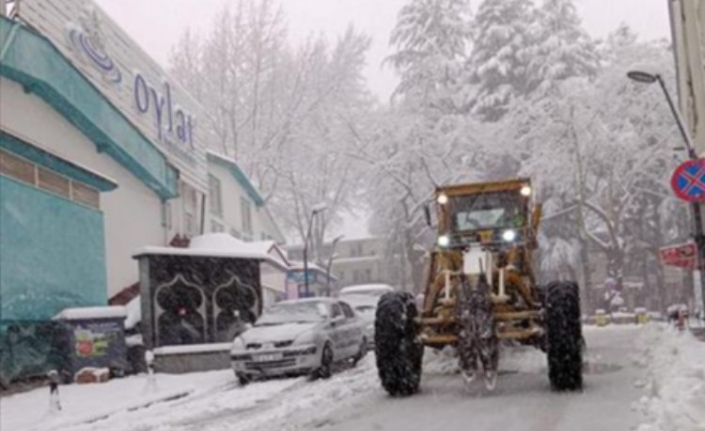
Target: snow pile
322 397
134 312
675 380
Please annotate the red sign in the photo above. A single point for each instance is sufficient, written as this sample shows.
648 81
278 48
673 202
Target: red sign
688 181
682 255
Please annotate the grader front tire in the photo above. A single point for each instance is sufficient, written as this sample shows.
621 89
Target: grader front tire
565 340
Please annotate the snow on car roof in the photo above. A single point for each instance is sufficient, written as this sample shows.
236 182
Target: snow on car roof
366 287
314 299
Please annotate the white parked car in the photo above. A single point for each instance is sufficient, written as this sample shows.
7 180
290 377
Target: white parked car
364 299
296 337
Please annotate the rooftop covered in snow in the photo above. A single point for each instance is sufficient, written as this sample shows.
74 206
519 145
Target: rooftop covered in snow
222 245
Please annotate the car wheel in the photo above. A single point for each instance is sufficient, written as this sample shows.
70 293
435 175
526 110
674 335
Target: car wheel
361 354
243 380
325 369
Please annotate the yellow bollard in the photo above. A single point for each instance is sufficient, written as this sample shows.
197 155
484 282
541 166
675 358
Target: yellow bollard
642 317
600 318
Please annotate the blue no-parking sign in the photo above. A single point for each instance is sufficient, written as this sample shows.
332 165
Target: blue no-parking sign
688 181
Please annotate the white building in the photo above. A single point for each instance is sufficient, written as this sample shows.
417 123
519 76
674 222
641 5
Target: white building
101 154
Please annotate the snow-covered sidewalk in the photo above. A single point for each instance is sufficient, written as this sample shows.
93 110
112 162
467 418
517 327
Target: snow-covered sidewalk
674 381
94 402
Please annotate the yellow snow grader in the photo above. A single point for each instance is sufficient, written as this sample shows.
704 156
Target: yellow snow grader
481 289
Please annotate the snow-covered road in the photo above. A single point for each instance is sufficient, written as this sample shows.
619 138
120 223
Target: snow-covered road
352 400
521 401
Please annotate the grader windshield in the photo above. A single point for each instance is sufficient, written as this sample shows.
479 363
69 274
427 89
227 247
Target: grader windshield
498 210
487 213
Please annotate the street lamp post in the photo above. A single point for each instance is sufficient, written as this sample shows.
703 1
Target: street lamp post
330 261
649 78
314 211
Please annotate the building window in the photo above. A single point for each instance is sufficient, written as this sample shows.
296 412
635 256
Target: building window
17 168
54 183
217 227
356 250
235 233
190 204
216 195
85 195
368 274
27 172
246 207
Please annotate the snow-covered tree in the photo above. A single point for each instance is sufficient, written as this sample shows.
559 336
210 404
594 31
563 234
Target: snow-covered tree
431 38
596 148
560 47
502 31
282 111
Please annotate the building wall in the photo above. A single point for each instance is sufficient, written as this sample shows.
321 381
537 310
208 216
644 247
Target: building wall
132 212
231 219
52 253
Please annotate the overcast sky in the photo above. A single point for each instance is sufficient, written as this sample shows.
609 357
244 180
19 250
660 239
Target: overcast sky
156 24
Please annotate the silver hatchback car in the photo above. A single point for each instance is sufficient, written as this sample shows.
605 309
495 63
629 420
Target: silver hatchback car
296 337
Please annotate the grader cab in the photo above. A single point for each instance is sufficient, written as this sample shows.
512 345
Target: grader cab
481 290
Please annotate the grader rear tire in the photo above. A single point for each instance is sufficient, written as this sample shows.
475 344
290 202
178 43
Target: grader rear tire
399 355
564 336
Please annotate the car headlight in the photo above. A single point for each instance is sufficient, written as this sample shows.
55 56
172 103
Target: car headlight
307 337
443 241
238 345
509 235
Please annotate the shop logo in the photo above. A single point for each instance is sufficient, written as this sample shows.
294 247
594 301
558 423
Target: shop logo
86 39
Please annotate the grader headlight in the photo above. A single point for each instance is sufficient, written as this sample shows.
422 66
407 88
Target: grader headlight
525 191
443 241
442 199
509 235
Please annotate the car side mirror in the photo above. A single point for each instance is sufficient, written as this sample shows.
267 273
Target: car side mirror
335 321
427 214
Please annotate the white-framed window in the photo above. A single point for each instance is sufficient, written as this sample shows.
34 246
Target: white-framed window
189 197
166 215
246 208
235 233
215 195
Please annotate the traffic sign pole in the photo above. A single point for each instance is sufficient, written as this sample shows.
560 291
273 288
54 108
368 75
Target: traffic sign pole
699 277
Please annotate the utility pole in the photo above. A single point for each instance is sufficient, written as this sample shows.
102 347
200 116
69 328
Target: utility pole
699 238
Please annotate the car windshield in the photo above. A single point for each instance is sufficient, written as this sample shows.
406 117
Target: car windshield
293 312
